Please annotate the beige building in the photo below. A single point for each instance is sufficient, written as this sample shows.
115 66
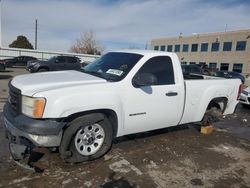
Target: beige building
225 50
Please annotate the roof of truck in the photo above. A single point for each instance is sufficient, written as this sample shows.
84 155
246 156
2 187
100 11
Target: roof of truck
145 52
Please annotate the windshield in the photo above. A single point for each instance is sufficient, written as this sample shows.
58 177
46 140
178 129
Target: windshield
113 66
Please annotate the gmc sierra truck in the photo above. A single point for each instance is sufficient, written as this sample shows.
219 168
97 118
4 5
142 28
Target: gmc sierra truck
121 93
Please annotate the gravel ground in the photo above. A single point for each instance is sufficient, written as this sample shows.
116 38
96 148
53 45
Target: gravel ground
173 157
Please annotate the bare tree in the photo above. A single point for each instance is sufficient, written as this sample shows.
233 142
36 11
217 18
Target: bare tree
87 44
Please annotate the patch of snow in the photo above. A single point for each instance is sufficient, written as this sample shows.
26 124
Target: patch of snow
123 166
66 181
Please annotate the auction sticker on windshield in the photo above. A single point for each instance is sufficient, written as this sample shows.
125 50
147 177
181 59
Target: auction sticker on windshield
115 72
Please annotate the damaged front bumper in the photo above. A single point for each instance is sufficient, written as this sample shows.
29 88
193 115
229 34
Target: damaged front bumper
18 136
25 133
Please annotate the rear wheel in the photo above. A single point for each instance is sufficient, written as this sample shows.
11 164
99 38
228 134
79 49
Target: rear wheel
212 115
88 141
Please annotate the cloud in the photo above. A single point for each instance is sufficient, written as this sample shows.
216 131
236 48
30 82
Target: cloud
118 24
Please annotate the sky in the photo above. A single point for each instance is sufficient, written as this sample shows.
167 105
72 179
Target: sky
118 24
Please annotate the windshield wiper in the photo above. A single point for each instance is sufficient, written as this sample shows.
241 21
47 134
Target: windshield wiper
94 73
100 75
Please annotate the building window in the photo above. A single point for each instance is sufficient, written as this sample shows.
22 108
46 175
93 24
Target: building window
156 48
192 63
163 48
227 46
185 48
170 48
212 65
177 48
204 47
215 47
241 45
194 48
237 67
224 66
183 62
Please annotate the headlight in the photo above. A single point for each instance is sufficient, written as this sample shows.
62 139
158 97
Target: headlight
33 107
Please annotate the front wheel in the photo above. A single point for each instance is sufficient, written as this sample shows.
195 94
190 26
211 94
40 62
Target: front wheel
88 141
42 70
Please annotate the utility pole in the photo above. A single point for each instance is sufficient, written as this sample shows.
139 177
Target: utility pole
35 35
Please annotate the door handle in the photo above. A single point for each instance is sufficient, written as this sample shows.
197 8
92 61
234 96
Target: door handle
171 94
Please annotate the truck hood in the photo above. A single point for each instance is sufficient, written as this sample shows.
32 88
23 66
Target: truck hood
30 84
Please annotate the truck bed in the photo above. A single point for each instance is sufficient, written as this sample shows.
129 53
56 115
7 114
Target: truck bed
200 91
199 77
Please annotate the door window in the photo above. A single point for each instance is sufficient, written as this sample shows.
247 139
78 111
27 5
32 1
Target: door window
61 59
161 67
71 60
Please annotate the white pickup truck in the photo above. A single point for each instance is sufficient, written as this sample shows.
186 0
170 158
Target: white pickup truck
121 93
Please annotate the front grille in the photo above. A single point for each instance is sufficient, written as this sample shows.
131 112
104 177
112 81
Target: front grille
14 99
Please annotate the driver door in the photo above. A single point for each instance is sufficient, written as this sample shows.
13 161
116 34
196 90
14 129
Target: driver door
154 106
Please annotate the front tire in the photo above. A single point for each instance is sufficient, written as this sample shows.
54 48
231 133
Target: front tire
42 70
88 141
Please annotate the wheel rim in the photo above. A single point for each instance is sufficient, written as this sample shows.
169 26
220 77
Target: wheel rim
89 139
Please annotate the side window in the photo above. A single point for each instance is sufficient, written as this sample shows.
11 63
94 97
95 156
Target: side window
20 58
71 60
61 59
161 67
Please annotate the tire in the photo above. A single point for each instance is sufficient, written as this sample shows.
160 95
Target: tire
87 141
42 70
245 105
212 115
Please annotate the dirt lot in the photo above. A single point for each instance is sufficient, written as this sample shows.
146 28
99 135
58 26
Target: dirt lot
176 157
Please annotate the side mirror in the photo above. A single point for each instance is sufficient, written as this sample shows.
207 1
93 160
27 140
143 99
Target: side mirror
144 79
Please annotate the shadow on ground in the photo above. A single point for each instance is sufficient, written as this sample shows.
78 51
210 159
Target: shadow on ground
2 77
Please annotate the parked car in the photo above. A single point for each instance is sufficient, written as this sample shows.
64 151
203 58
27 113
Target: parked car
18 61
245 97
208 70
2 66
121 93
55 63
187 69
230 74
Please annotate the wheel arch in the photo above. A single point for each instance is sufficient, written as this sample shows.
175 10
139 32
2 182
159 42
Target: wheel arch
219 103
110 114
43 67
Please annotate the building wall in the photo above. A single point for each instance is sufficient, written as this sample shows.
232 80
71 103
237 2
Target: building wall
231 57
